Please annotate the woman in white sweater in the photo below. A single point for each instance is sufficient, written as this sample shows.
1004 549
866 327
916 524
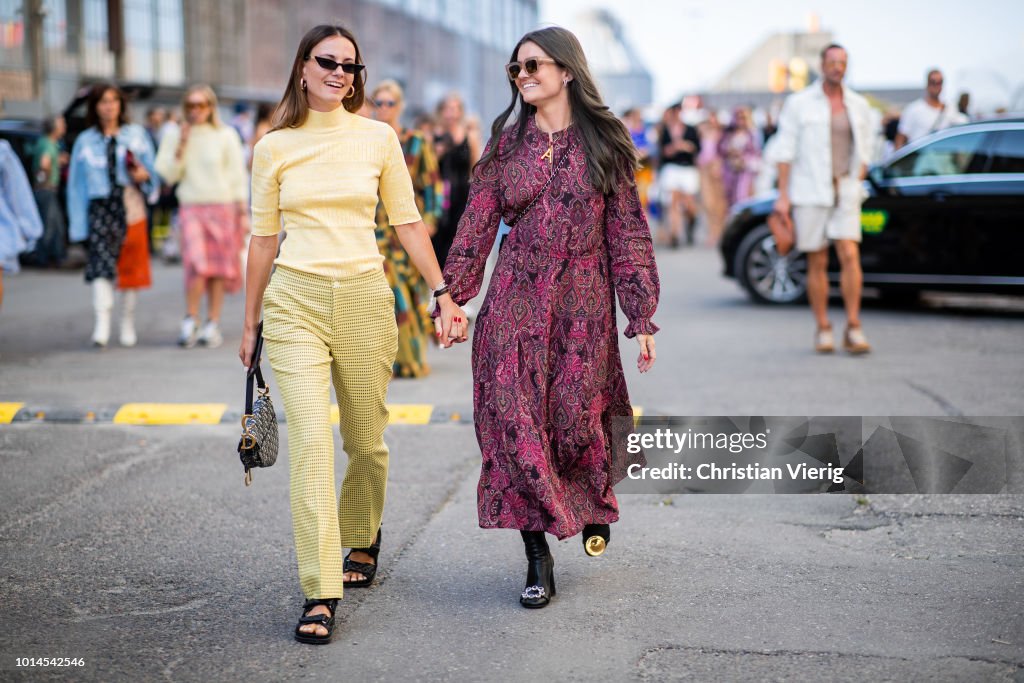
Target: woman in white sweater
205 159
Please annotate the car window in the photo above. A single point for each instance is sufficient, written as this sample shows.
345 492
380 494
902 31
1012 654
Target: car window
953 155
1008 152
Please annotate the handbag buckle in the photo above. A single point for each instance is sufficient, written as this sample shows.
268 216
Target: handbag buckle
248 440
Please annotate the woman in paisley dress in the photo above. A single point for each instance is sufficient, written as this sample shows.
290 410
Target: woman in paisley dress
547 372
412 294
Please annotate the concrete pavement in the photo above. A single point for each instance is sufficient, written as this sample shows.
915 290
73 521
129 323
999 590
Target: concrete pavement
139 548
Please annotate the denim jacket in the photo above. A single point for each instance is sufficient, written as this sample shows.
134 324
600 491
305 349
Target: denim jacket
87 173
20 225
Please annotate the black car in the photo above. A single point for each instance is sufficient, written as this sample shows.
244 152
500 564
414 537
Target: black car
22 134
946 212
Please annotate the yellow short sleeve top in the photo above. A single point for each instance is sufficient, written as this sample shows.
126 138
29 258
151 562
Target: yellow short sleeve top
319 182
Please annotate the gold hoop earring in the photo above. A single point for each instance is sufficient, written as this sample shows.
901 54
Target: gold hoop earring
303 83
351 92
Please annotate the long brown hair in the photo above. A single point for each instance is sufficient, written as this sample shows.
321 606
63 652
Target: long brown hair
293 109
608 148
92 117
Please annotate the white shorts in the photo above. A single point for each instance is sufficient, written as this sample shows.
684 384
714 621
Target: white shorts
676 178
816 226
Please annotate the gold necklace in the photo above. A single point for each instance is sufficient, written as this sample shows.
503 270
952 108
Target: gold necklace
548 154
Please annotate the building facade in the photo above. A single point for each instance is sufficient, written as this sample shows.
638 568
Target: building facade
244 48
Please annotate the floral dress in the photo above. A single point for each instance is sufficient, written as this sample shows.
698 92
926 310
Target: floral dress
412 293
546 368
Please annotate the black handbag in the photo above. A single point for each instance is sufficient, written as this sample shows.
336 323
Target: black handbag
258 445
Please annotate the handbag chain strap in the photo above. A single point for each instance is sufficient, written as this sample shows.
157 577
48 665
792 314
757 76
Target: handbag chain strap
565 156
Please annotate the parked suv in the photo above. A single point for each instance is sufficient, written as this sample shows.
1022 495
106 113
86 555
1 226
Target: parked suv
946 212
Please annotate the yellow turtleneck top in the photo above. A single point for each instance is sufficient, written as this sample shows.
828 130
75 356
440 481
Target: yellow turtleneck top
319 182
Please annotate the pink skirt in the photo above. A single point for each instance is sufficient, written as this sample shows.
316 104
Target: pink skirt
212 238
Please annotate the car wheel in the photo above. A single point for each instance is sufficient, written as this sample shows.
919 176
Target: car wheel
768 277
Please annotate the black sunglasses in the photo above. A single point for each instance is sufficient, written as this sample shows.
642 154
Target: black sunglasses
531 65
331 65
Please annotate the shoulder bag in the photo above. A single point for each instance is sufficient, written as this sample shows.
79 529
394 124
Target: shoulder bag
258 445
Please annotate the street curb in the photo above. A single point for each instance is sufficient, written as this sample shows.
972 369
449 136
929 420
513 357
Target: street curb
169 414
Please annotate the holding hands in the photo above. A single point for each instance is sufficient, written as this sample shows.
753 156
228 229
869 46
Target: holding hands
452 325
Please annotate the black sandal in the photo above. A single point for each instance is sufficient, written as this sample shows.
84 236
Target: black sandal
369 571
319 619
596 538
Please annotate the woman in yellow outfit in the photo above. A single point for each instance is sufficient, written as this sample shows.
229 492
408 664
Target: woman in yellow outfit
328 310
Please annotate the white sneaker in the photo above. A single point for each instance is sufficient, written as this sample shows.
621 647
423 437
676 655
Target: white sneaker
824 341
187 338
210 335
855 342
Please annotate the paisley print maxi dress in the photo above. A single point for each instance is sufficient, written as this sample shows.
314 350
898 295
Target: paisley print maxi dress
546 367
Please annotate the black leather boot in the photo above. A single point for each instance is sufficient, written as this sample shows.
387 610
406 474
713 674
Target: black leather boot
540 571
595 538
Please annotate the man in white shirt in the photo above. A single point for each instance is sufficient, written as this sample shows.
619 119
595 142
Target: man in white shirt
927 114
822 147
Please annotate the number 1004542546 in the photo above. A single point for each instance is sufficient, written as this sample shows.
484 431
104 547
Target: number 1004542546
48 661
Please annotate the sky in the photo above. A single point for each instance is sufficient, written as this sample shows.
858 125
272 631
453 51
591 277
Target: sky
688 44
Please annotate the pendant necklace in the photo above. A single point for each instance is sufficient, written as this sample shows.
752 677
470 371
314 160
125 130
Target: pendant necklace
548 154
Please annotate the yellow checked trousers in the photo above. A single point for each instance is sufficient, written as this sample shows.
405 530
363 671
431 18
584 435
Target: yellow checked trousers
317 330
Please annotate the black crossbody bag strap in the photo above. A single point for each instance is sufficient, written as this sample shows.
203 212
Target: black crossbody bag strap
254 372
519 216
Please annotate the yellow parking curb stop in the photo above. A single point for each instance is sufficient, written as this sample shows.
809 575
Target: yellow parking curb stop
170 413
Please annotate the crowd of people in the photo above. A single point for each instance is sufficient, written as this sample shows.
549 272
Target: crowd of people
699 162
356 222
177 187
692 165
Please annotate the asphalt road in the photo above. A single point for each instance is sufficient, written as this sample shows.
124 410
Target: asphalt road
140 550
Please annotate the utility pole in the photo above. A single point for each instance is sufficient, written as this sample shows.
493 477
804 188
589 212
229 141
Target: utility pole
34 14
115 37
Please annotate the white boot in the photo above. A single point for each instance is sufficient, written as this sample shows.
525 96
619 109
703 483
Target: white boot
102 303
128 337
